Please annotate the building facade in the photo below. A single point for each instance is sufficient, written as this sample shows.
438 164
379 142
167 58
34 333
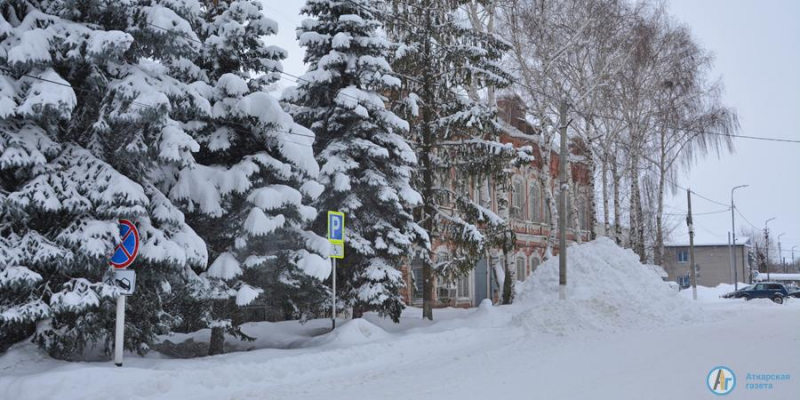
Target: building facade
713 261
529 214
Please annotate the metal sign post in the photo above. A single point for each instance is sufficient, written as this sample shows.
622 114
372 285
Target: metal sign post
124 254
336 238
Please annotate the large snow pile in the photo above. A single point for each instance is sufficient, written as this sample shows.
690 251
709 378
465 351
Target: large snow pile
608 289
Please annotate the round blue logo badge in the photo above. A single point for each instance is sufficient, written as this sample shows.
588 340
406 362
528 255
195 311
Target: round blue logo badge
721 380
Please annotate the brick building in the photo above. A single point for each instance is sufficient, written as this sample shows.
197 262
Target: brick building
530 217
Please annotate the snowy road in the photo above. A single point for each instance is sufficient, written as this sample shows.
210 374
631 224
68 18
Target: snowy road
463 356
665 364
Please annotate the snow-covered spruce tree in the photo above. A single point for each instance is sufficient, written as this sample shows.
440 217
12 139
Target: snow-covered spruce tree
89 112
455 136
248 194
365 163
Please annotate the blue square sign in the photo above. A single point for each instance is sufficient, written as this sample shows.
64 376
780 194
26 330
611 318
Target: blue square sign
336 227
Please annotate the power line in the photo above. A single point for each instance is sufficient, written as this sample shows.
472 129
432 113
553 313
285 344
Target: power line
745 218
700 213
695 130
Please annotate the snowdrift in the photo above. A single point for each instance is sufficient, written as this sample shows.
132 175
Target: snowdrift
608 289
353 332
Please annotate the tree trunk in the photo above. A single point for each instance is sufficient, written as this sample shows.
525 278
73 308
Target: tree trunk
658 251
547 186
574 221
604 180
617 206
427 176
636 220
217 343
511 278
503 212
591 204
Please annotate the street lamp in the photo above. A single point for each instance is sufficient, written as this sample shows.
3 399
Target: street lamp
793 265
780 253
733 248
766 238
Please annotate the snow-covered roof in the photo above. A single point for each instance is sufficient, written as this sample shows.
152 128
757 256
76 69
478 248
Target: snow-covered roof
710 243
512 131
775 277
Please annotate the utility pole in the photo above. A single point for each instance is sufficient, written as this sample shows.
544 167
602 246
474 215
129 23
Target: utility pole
562 202
757 257
730 256
733 237
780 253
691 245
766 239
793 264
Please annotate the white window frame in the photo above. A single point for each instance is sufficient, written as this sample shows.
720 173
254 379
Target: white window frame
533 257
534 202
582 212
517 196
517 258
469 286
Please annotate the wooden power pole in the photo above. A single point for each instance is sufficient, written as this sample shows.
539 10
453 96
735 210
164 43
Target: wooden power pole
691 245
562 203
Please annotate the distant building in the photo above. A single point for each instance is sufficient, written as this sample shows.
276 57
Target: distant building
713 261
530 217
791 280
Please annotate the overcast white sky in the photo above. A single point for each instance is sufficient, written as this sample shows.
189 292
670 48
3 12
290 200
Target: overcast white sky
756 43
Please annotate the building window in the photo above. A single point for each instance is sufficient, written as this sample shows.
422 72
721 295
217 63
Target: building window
548 215
520 268
534 263
535 202
445 290
462 286
569 210
416 279
582 213
477 186
517 198
683 256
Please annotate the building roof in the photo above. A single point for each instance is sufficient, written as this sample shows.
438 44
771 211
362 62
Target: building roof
740 241
762 276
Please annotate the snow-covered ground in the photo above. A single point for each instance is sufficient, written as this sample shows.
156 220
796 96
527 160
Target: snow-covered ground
621 335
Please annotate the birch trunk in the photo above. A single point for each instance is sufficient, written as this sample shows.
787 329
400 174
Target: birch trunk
636 220
604 180
617 206
503 258
551 201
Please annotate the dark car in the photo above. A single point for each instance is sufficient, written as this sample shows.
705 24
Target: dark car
737 294
794 292
770 290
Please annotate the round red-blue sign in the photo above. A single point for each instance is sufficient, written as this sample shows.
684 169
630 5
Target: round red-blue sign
128 247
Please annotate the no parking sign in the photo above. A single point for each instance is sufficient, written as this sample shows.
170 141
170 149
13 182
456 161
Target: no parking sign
124 254
128 247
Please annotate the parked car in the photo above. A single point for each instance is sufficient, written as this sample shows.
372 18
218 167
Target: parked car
794 292
770 290
736 294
